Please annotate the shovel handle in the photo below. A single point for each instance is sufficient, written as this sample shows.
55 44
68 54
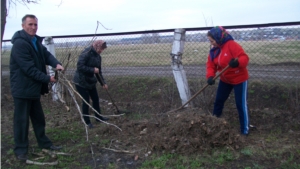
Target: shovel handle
201 89
113 102
97 74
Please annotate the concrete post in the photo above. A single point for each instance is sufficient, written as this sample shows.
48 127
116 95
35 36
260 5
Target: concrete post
177 67
49 43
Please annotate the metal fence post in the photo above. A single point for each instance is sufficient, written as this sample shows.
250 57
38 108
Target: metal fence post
177 67
49 43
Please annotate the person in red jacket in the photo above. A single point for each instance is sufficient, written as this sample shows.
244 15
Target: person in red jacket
225 51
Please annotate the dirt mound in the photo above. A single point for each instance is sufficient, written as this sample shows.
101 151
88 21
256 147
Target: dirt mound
184 132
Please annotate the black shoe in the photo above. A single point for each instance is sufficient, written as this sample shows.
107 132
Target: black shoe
103 119
22 157
55 147
90 126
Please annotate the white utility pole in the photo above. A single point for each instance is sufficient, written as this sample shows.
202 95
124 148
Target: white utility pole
178 71
49 43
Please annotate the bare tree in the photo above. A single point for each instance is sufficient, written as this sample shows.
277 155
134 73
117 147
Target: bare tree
4 10
3 17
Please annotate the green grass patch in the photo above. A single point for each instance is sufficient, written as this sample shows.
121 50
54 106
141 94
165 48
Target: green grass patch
222 156
57 135
188 161
247 151
158 162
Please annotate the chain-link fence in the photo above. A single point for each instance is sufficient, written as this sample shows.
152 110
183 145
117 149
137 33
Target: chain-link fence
274 51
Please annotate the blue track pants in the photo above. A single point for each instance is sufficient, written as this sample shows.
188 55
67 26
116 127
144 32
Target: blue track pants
240 92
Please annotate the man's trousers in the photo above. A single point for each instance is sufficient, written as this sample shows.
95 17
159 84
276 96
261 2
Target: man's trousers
25 109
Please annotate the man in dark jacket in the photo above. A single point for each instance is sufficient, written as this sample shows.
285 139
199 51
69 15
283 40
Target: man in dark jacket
28 81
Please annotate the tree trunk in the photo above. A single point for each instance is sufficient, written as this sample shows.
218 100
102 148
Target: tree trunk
3 17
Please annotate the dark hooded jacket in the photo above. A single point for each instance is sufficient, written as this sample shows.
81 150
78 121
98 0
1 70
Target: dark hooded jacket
28 75
84 75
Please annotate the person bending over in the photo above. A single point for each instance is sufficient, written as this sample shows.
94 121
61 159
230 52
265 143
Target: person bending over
89 64
225 51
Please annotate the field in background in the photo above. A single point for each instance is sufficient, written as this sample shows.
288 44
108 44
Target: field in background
195 53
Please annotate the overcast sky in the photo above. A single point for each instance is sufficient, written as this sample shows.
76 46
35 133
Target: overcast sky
74 17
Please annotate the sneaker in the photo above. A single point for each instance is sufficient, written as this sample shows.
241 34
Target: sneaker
90 126
252 127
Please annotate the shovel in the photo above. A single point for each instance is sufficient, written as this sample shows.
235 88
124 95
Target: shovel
119 111
199 91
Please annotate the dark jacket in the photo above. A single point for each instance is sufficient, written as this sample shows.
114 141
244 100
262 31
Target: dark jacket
84 75
28 75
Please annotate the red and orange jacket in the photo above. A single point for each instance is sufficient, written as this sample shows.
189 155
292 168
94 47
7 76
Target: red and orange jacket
229 50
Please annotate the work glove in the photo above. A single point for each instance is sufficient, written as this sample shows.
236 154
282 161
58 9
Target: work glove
234 63
210 81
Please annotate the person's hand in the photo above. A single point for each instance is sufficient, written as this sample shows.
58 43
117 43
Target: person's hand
52 79
105 86
234 63
210 81
96 70
59 67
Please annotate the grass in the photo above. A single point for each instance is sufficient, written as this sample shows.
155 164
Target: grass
59 134
220 157
158 161
254 157
247 151
178 161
